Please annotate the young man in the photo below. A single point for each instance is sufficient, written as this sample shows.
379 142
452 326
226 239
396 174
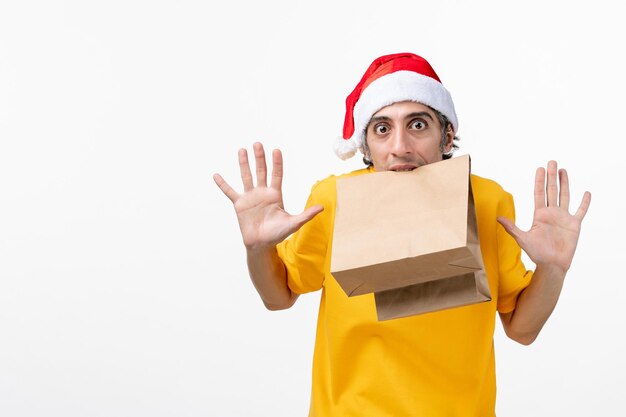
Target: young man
438 364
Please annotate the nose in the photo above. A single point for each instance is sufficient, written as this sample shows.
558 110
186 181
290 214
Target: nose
400 143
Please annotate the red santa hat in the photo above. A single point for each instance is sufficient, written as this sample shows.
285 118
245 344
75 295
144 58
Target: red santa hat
391 79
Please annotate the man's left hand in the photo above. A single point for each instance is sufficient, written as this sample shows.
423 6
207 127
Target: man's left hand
552 239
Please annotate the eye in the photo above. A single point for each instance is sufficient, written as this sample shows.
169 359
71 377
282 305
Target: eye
381 129
418 125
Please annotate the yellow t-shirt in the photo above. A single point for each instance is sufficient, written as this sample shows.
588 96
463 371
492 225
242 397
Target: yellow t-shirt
435 364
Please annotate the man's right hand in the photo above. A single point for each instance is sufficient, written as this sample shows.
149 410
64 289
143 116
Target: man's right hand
262 218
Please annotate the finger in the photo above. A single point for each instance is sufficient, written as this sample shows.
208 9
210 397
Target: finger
226 189
277 169
540 192
306 216
244 169
563 189
584 206
511 228
551 188
261 167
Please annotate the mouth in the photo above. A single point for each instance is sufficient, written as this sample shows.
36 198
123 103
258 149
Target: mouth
402 168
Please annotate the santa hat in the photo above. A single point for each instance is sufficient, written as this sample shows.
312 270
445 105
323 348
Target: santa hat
391 79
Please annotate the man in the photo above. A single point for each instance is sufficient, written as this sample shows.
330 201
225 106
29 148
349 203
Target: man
438 364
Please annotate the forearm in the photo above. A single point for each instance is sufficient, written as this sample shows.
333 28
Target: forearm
535 304
269 277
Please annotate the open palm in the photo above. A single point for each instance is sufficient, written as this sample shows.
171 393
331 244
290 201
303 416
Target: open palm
260 211
553 236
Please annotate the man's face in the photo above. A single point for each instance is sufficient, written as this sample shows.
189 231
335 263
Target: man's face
404 136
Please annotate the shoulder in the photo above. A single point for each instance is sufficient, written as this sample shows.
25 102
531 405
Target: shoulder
490 198
327 186
487 188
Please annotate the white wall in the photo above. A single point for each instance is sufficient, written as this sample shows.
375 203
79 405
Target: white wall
123 289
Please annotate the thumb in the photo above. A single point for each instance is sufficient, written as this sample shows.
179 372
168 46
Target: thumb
511 228
307 215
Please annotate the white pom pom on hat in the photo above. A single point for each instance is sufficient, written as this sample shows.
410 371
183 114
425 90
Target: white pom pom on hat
391 79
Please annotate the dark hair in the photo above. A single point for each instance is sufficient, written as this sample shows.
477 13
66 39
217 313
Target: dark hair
445 125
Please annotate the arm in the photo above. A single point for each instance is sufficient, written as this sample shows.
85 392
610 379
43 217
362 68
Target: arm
550 243
534 305
264 223
269 277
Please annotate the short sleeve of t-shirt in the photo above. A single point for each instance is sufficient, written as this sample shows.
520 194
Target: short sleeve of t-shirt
513 276
304 253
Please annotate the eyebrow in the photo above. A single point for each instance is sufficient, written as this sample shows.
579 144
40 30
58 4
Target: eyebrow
420 114
377 119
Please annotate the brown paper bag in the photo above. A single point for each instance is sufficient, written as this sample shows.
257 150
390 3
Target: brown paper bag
411 238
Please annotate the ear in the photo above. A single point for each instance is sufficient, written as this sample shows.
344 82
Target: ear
449 138
365 149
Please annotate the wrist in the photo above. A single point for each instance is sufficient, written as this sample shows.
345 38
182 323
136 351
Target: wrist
260 248
551 270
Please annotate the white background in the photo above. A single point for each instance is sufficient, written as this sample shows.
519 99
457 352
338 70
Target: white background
123 286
